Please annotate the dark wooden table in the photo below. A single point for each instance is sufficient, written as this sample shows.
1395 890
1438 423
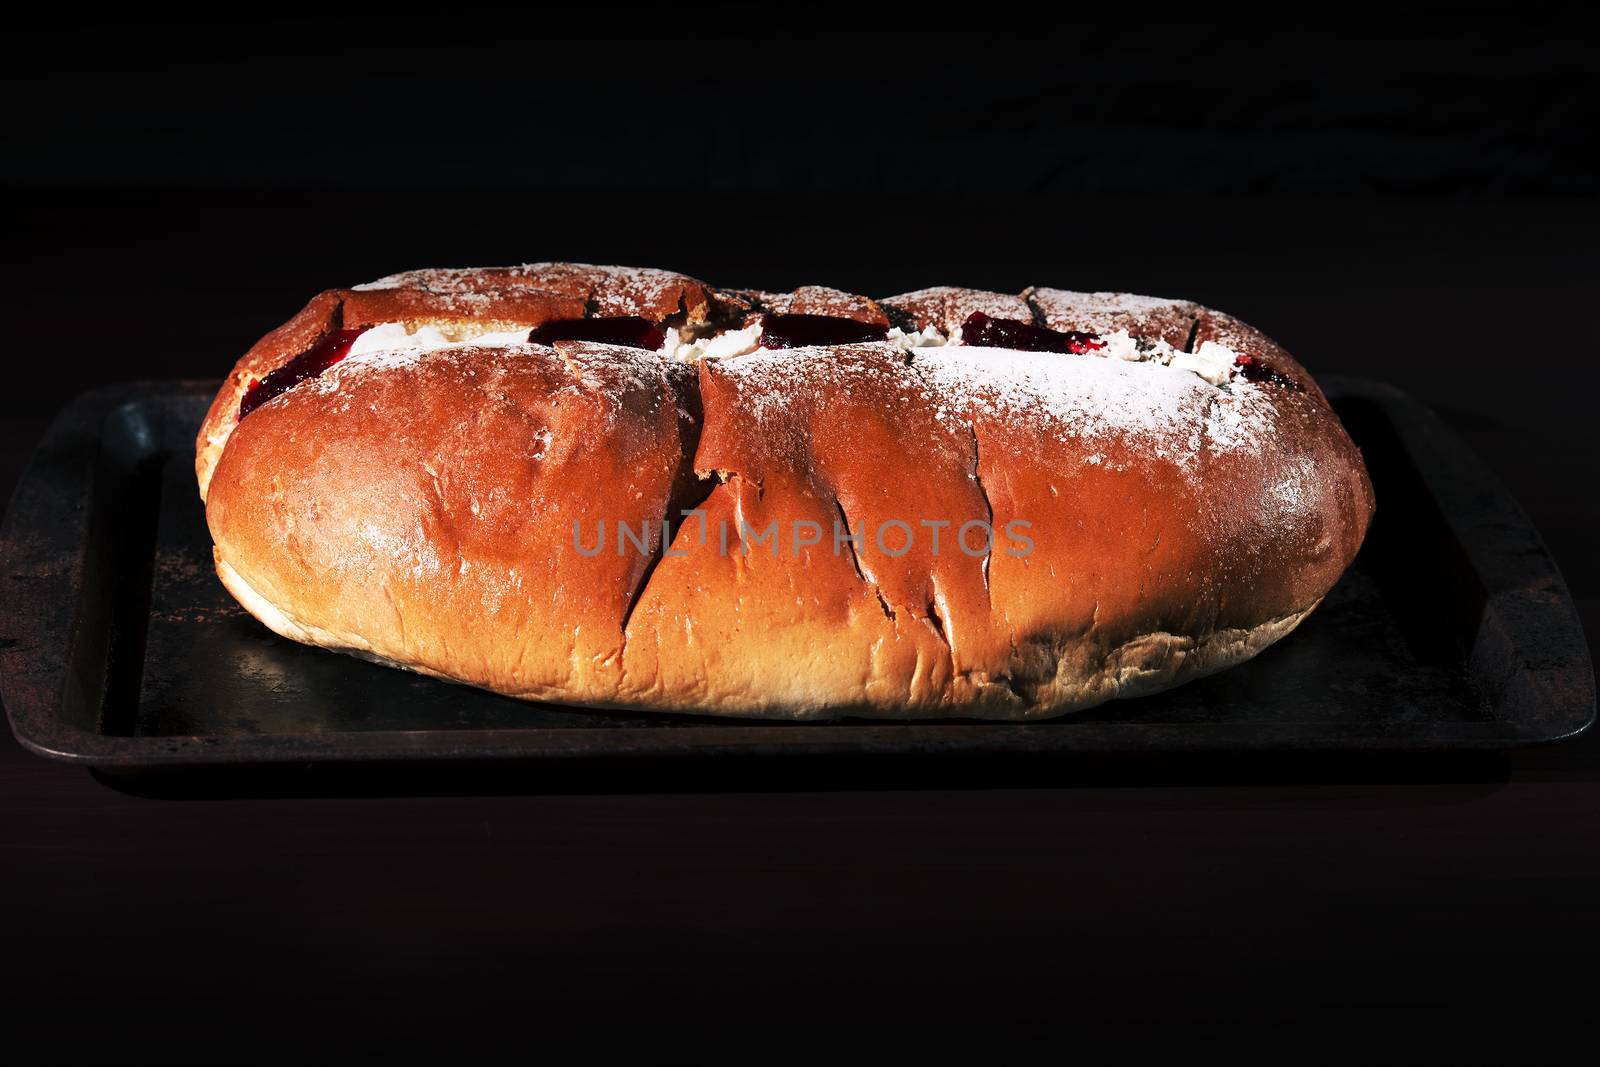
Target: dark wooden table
1451 900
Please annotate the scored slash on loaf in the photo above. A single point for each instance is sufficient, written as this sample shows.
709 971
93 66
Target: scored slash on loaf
617 487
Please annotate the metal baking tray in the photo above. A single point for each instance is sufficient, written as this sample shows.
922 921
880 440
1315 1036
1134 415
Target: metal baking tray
119 648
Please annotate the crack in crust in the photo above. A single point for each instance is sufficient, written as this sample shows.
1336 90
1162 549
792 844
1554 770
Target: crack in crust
861 571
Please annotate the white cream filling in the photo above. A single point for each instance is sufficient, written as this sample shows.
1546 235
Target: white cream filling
1211 361
394 337
929 338
688 348
743 342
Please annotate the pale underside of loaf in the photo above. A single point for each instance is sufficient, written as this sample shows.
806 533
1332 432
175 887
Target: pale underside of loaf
1087 674
413 507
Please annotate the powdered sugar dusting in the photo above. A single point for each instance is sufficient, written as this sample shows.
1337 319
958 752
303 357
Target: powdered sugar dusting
947 307
1071 398
1143 385
1173 413
614 370
1101 313
1108 304
770 380
629 289
1241 419
613 375
387 360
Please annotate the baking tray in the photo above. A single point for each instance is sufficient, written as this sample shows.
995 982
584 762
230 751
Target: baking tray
119 648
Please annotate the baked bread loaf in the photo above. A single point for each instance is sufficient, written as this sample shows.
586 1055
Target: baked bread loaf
625 488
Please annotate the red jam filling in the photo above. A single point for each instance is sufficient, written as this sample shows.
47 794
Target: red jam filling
630 331
1253 370
803 331
330 350
982 331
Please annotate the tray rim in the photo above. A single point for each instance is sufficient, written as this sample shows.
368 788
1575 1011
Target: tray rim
44 606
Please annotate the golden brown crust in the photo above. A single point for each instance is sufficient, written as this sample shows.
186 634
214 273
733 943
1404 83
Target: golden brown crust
419 507
435 532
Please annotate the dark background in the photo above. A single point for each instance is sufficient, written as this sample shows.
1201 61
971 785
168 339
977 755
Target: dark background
1409 200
